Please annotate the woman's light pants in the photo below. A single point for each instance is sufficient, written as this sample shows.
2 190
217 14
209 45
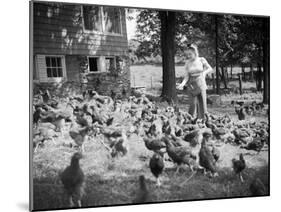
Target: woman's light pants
199 104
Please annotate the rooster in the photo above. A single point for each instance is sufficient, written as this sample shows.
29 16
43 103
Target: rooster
156 165
72 179
239 165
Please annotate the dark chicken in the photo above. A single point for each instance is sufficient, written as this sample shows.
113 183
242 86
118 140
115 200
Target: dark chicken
206 157
240 111
156 165
255 145
239 165
180 155
154 144
72 179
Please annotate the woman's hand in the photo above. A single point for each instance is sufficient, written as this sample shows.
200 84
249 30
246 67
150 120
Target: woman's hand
180 86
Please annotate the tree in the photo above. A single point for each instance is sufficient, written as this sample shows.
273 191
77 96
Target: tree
266 60
168 22
217 55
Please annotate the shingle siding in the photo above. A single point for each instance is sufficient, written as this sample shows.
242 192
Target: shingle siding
59 30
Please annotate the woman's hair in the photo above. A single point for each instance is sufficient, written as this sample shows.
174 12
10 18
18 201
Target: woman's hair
194 48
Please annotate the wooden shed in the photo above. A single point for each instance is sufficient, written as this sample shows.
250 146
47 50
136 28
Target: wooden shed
81 43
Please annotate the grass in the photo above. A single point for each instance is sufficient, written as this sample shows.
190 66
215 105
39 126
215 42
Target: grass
111 182
150 77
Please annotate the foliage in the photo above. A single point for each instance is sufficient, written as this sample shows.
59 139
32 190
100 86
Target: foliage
239 38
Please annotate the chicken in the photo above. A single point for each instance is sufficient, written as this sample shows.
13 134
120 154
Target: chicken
155 128
111 133
46 96
121 146
83 119
42 134
239 165
257 144
99 115
215 153
257 188
241 135
80 135
72 179
240 111
156 144
218 132
180 155
156 165
142 195
206 158
192 137
36 115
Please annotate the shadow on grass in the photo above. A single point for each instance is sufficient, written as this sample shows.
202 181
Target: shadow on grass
119 190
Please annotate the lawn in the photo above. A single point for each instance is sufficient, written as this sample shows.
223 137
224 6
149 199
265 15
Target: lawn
150 77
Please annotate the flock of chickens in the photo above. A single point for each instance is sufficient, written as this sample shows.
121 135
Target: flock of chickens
170 133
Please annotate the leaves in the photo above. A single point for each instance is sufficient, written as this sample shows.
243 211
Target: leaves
240 37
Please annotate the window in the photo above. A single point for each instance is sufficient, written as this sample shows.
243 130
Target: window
93 64
92 18
54 67
109 63
112 20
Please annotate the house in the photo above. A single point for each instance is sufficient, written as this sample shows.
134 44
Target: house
85 44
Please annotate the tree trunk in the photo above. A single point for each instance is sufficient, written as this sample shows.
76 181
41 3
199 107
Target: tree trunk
223 77
259 77
231 73
217 54
214 83
243 73
251 73
266 65
240 84
226 74
168 22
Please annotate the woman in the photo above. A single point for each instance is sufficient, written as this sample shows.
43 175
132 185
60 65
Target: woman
196 69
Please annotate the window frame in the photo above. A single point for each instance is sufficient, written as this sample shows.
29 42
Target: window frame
40 69
83 21
120 21
114 59
62 67
103 32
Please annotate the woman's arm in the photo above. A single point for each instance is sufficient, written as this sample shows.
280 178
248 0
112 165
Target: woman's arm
206 66
185 80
